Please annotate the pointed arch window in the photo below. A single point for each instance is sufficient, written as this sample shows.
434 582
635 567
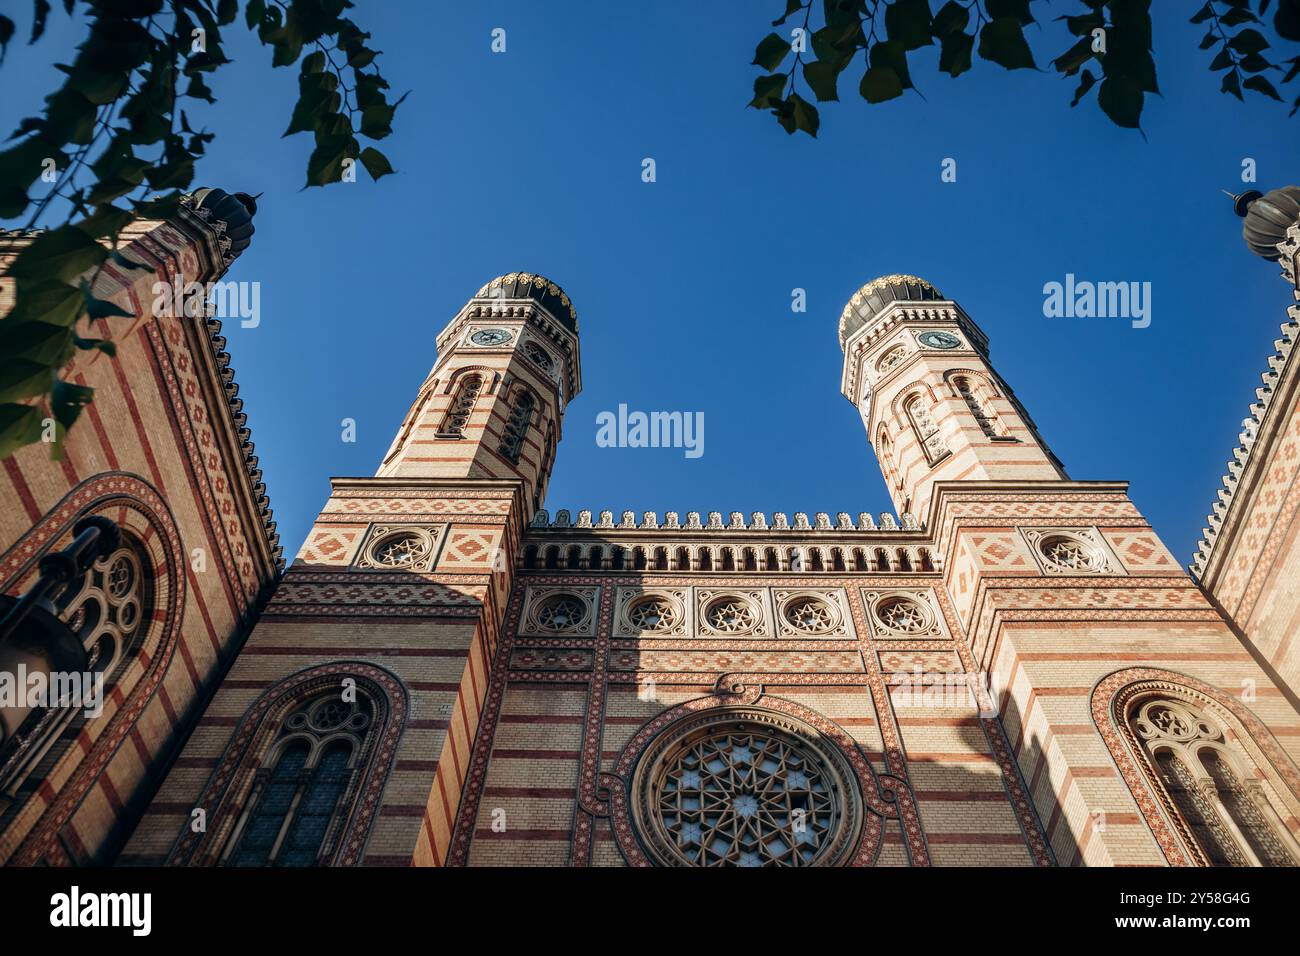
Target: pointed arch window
298 805
111 611
977 403
1222 807
521 416
462 406
927 430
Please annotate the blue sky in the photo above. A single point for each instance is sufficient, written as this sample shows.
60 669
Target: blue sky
531 160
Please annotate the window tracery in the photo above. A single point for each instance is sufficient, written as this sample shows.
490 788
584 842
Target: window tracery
462 407
926 429
741 789
110 612
521 415
298 806
1230 820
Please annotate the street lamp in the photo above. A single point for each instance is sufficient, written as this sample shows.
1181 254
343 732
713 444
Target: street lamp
32 637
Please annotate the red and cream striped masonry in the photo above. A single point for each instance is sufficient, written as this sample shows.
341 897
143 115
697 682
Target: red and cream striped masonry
158 452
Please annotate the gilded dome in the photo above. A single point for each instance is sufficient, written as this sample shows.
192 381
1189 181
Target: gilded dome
877 294
1268 217
526 285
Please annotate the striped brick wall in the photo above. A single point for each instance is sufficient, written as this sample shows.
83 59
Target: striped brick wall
160 430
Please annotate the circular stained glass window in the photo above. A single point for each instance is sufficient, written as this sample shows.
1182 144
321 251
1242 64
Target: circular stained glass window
903 614
746 788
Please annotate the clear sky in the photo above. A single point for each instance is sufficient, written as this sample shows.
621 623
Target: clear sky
531 161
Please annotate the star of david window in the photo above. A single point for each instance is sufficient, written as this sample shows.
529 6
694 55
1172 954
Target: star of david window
903 615
560 612
744 789
1070 553
653 614
810 614
731 615
402 550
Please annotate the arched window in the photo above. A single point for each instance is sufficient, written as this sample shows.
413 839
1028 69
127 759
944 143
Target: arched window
1221 805
521 415
927 431
296 809
111 612
984 416
453 425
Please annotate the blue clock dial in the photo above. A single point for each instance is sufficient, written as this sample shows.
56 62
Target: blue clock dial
490 337
938 340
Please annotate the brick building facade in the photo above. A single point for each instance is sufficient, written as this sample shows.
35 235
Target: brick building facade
1012 671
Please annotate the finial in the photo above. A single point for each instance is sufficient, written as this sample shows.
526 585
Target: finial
1241 201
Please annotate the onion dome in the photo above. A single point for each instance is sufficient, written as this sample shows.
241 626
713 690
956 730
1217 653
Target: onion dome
868 301
236 210
526 285
1268 217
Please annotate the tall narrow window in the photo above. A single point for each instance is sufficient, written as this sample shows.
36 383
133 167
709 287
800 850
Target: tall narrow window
453 426
299 803
521 415
987 420
1232 823
927 431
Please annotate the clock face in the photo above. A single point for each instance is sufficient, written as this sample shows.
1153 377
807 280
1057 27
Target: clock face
490 337
938 340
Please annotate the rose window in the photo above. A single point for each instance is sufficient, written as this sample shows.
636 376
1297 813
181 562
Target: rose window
403 550
739 792
1070 553
810 614
902 614
559 612
653 614
731 615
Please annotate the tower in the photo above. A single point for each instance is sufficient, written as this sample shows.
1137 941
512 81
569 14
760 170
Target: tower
361 687
492 404
935 409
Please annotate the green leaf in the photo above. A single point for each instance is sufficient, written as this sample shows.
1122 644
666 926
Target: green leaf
1248 40
1002 41
890 54
880 83
67 399
768 89
791 7
376 163
909 23
805 115
1261 85
49 301
1120 98
22 378
951 18
1073 58
1086 82
1231 84
771 51
100 308
227 10
822 77
6 34
20 425
1286 21
1203 14
955 53
326 162
1222 60
99 345
130 264
62 254
254 13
